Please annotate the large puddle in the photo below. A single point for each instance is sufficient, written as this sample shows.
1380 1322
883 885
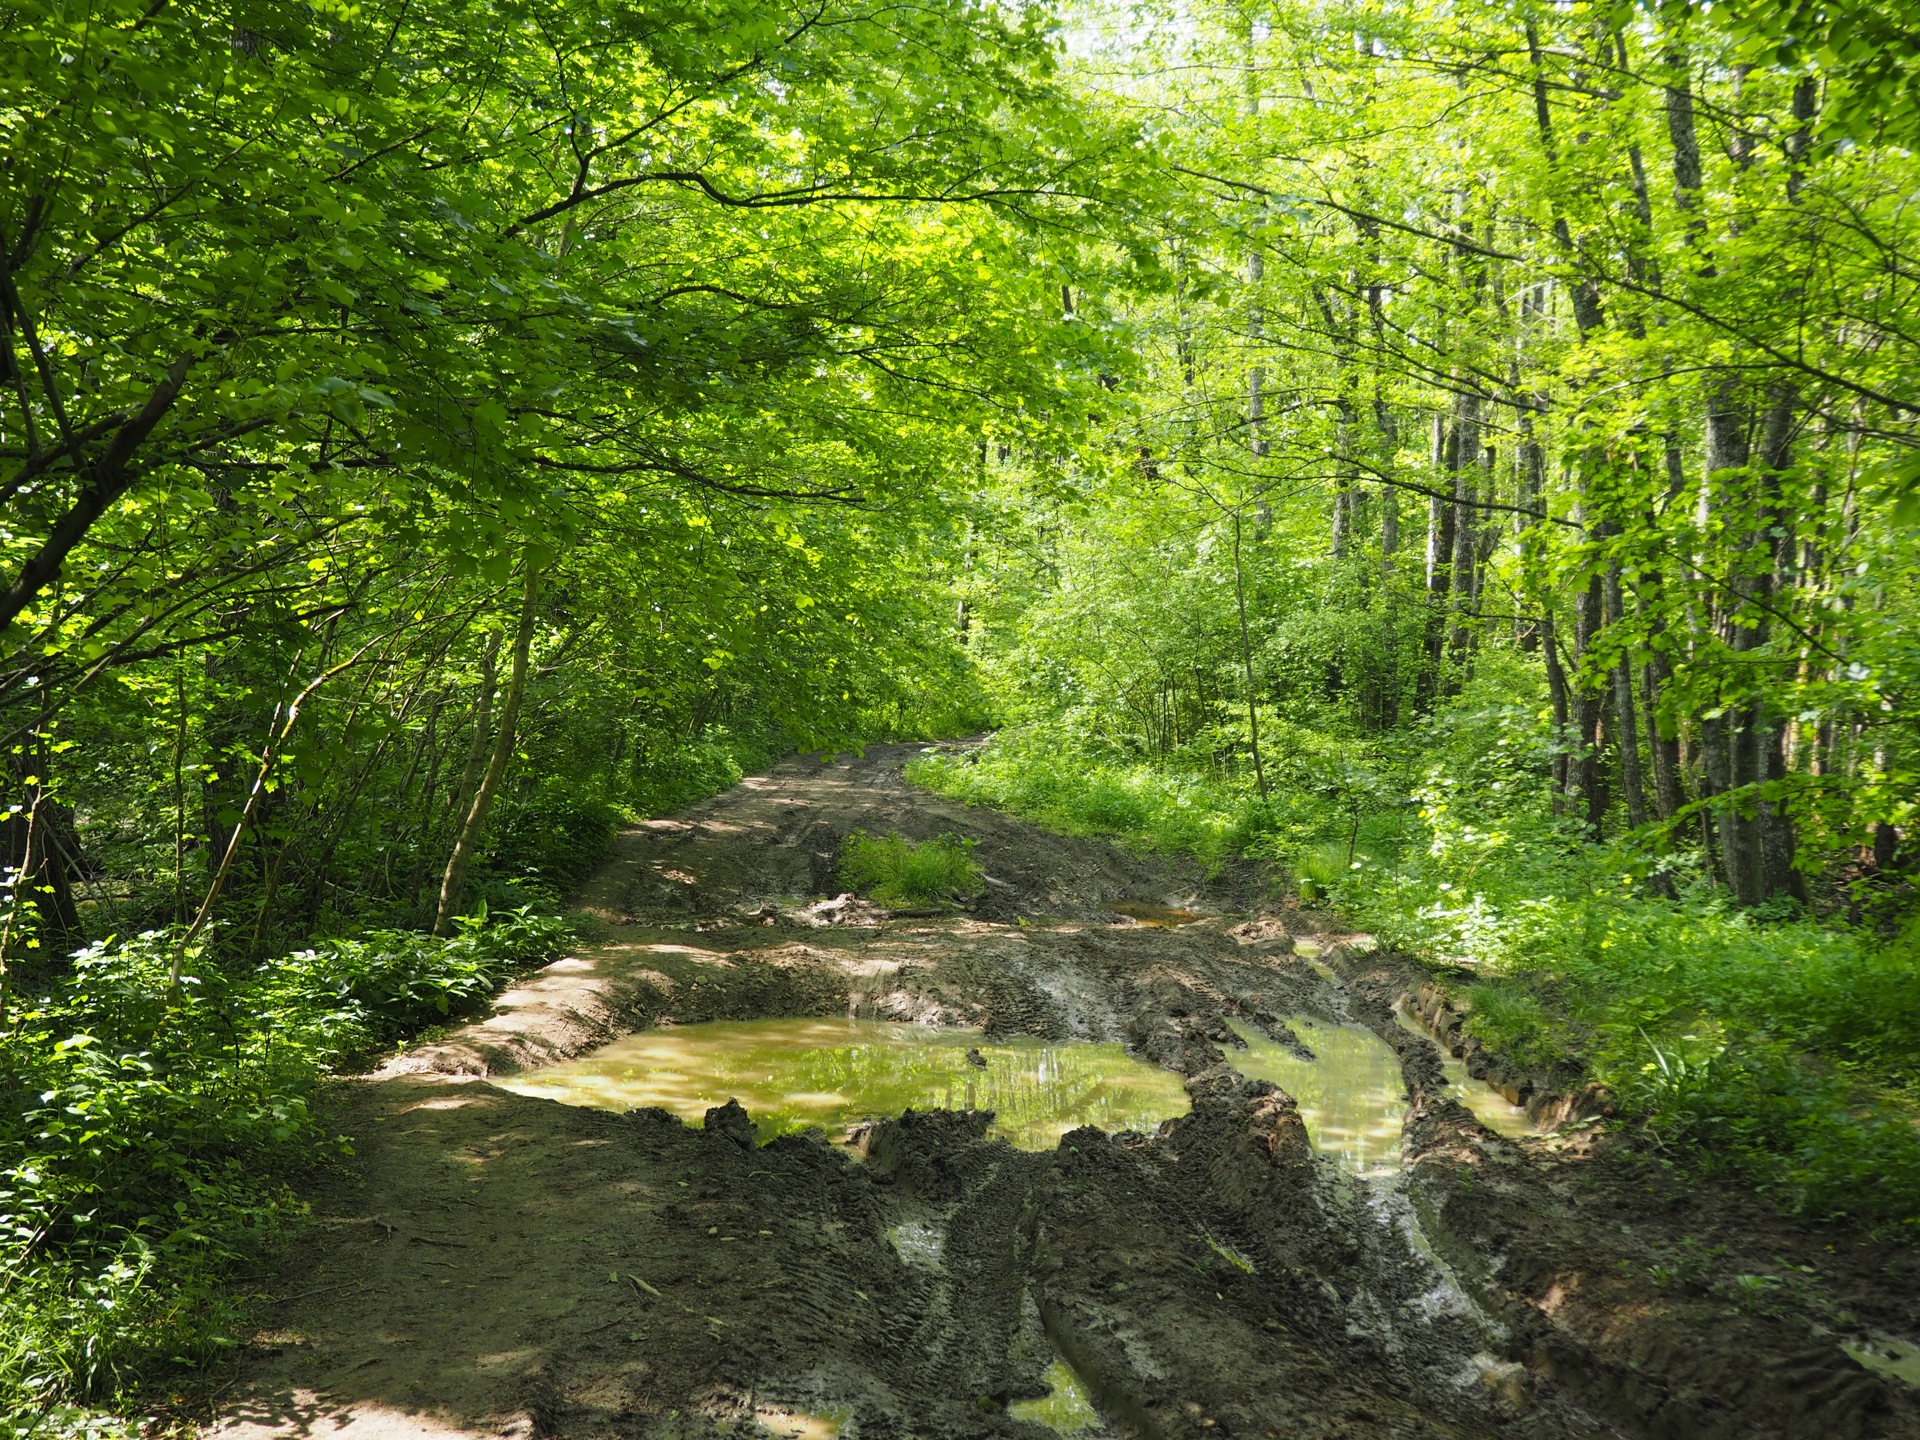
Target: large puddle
1353 1096
793 1074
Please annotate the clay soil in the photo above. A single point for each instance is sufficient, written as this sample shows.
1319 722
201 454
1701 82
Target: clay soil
491 1264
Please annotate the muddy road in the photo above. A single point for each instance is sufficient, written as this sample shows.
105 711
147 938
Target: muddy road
488 1263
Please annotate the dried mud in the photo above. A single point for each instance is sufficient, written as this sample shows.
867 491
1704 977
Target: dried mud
492 1264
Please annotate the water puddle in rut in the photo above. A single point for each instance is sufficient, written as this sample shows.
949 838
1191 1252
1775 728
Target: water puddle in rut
1066 1409
792 1074
1489 1106
1353 1097
1162 917
1889 1355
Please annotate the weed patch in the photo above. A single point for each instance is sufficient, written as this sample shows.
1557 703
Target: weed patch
899 873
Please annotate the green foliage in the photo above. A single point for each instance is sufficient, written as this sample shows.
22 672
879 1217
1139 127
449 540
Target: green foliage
146 1131
556 836
1318 869
669 775
901 873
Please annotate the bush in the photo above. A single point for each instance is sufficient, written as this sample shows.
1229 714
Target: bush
146 1130
556 837
670 776
899 873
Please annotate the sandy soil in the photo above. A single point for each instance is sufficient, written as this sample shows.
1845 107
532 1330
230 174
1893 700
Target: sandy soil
491 1264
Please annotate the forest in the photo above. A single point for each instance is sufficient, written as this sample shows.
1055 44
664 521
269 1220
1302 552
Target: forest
1457 462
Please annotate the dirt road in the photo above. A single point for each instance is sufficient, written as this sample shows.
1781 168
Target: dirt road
492 1264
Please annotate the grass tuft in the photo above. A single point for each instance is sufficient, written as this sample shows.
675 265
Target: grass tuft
899 873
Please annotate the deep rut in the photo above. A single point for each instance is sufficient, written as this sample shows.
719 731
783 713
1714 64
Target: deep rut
490 1263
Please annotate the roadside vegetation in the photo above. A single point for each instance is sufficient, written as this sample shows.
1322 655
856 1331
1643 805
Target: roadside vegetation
1509 532
162 1103
1781 1047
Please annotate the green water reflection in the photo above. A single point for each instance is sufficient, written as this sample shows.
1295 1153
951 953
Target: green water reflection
791 1074
1489 1106
1888 1355
1353 1097
1066 1409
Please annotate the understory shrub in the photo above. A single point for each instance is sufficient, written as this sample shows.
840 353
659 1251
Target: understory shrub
147 1127
896 871
671 775
556 836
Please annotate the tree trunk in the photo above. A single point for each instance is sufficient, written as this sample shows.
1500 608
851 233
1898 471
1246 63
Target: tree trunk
1586 791
1626 725
1664 749
475 824
1557 693
38 845
461 800
1246 659
1463 455
1718 742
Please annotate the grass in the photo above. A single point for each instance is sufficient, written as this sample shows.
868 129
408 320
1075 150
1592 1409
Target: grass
1064 787
901 874
1780 1049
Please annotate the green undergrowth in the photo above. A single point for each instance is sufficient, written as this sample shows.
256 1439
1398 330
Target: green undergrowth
1775 1047
148 1129
898 872
1074 790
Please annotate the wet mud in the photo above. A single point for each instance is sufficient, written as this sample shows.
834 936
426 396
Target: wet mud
496 1263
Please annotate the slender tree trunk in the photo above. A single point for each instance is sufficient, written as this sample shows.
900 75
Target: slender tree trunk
1246 660
1586 788
1439 513
33 861
1343 491
1626 725
1533 485
473 828
1717 744
1464 456
461 800
1557 695
1664 749
179 789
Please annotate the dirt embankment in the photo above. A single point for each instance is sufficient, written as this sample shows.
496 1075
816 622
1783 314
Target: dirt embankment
494 1264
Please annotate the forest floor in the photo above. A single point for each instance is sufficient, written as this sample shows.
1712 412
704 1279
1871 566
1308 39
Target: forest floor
487 1263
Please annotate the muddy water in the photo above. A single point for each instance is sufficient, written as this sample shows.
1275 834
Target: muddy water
1489 1106
1066 1409
792 1074
1161 917
1353 1096
1889 1355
